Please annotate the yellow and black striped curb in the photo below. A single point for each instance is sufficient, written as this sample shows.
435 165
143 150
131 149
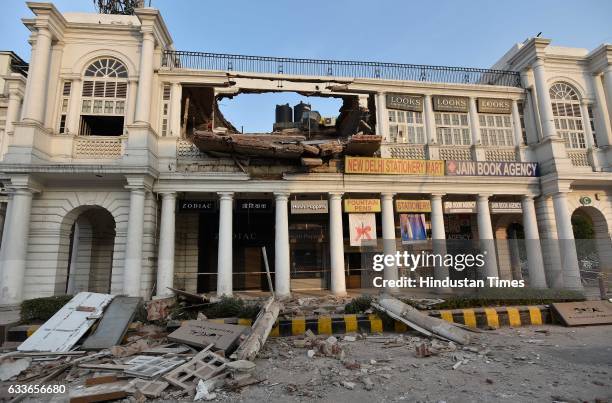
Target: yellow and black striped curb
512 316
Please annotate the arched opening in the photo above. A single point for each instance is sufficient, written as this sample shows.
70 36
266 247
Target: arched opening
103 98
90 260
567 115
593 244
510 247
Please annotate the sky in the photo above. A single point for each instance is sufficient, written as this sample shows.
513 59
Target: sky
443 32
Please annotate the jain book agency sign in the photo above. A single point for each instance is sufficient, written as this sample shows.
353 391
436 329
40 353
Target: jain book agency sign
490 168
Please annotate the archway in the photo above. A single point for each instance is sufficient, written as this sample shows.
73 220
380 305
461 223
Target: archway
593 244
510 246
90 259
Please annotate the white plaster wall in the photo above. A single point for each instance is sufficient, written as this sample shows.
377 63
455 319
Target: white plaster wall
53 213
186 252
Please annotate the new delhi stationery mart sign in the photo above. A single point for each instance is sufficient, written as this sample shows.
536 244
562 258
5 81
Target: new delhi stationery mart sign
392 166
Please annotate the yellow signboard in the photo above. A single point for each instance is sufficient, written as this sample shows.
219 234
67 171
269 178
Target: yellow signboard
392 166
362 205
412 206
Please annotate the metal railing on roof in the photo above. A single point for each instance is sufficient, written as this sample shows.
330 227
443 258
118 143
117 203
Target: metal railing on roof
173 59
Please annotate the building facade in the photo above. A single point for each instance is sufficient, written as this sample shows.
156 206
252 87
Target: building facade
103 191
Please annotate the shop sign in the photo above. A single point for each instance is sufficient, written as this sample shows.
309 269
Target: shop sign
362 205
506 207
444 103
198 205
585 201
308 206
405 102
491 168
362 228
392 166
412 206
494 105
459 207
259 206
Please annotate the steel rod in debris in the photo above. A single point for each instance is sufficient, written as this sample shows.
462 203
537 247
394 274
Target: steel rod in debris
421 322
259 332
265 256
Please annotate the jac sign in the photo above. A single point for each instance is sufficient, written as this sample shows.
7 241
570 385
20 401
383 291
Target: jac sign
405 102
491 168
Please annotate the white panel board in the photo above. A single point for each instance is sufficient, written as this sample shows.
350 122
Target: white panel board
64 329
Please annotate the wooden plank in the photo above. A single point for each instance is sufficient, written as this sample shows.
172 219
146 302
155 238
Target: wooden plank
99 393
114 324
584 313
64 329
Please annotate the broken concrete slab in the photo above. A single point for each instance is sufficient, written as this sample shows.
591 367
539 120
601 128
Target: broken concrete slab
114 323
64 329
584 313
201 333
260 331
159 309
99 393
10 369
149 388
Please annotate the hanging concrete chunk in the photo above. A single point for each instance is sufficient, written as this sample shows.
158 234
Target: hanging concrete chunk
114 324
69 324
425 324
201 333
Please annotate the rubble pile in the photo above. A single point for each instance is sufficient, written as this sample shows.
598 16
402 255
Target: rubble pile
192 360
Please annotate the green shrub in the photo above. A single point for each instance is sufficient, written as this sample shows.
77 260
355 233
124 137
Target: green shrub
41 309
226 307
359 304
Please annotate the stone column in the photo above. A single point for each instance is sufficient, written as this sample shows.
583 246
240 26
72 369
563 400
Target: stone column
485 232
165 261
35 107
551 255
145 79
567 245
438 237
74 110
132 269
175 109
130 107
429 120
382 116
602 122
226 238
586 123
607 76
336 245
535 263
474 122
12 109
282 277
544 106
14 246
388 233
516 123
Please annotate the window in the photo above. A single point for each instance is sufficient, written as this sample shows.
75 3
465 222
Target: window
496 130
165 108
452 128
64 106
406 127
521 108
568 119
592 122
103 99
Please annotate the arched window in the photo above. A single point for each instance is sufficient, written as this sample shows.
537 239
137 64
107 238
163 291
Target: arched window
103 99
566 110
